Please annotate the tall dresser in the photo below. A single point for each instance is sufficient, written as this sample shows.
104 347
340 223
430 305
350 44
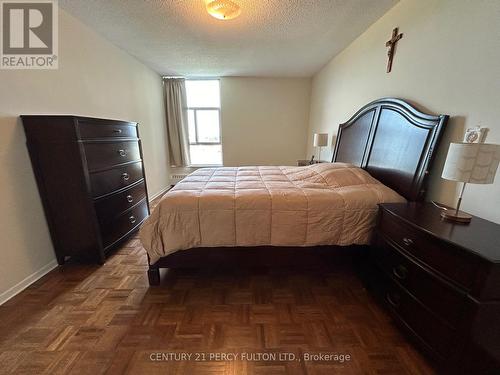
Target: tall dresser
91 180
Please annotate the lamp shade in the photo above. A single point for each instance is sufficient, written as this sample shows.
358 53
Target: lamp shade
474 163
320 140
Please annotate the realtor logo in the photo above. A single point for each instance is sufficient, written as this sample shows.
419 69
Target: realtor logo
29 34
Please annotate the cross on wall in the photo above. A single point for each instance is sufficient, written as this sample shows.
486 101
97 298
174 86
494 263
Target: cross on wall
392 46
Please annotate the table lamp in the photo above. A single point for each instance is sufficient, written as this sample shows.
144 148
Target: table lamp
320 140
474 163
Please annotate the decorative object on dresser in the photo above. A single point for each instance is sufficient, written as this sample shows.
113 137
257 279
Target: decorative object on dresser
90 176
320 140
474 163
441 282
475 135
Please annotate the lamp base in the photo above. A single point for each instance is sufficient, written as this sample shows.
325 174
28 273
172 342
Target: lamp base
452 215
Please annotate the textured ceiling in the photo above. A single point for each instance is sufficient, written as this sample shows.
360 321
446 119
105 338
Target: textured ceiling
269 38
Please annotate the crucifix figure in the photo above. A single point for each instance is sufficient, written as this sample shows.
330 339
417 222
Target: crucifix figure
392 45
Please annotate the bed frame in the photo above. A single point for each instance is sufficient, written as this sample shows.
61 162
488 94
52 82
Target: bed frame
388 137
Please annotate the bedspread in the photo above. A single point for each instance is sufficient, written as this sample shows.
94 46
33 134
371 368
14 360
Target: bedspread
321 204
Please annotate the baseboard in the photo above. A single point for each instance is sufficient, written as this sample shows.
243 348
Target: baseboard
161 192
20 286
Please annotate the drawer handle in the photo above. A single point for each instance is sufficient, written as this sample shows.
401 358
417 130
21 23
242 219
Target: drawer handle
125 176
394 301
122 152
130 198
408 241
117 131
132 219
401 272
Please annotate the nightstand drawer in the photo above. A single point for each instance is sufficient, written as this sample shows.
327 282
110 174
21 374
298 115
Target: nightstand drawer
446 259
440 297
430 330
303 163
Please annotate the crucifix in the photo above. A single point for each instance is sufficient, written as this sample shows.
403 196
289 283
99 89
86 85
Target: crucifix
392 46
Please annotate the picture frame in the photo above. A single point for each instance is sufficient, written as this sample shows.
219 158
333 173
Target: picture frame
474 135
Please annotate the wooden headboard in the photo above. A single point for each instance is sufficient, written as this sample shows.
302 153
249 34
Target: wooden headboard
394 142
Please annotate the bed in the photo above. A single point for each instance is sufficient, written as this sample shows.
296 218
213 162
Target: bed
273 214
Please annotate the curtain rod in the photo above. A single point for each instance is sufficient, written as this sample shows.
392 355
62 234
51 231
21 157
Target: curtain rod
191 78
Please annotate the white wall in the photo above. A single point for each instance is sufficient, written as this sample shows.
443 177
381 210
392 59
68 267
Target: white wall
96 79
447 62
264 120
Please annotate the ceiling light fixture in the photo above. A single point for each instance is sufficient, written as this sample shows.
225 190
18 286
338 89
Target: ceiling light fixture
223 9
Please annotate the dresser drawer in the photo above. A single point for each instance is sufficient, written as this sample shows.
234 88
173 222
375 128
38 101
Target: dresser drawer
109 207
435 334
90 130
450 261
120 226
106 154
114 179
443 299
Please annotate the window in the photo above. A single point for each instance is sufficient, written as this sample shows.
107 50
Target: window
203 107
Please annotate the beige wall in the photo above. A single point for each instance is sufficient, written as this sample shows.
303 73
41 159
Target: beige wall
94 78
447 62
264 120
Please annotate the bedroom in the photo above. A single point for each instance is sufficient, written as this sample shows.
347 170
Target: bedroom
285 71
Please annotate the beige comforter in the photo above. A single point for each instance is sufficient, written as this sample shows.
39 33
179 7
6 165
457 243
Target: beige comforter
322 204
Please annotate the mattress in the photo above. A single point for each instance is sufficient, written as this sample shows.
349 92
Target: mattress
321 204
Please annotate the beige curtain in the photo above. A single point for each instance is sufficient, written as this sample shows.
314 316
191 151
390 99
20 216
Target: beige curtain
177 124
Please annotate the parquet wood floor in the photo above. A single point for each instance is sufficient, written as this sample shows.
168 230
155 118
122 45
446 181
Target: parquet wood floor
86 319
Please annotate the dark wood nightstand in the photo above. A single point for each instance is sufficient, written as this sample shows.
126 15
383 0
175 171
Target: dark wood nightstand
441 283
303 163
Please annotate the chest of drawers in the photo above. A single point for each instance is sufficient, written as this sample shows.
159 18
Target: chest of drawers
441 282
91 180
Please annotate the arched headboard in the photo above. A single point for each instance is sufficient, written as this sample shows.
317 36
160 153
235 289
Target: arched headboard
394 142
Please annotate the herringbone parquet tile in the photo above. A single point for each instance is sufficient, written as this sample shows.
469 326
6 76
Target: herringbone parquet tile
85 319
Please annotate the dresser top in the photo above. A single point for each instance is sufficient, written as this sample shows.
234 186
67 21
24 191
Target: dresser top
480 236
81 118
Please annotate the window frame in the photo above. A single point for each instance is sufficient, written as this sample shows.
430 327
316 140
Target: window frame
195 109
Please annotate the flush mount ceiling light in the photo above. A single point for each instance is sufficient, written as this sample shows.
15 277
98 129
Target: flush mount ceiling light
223 9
